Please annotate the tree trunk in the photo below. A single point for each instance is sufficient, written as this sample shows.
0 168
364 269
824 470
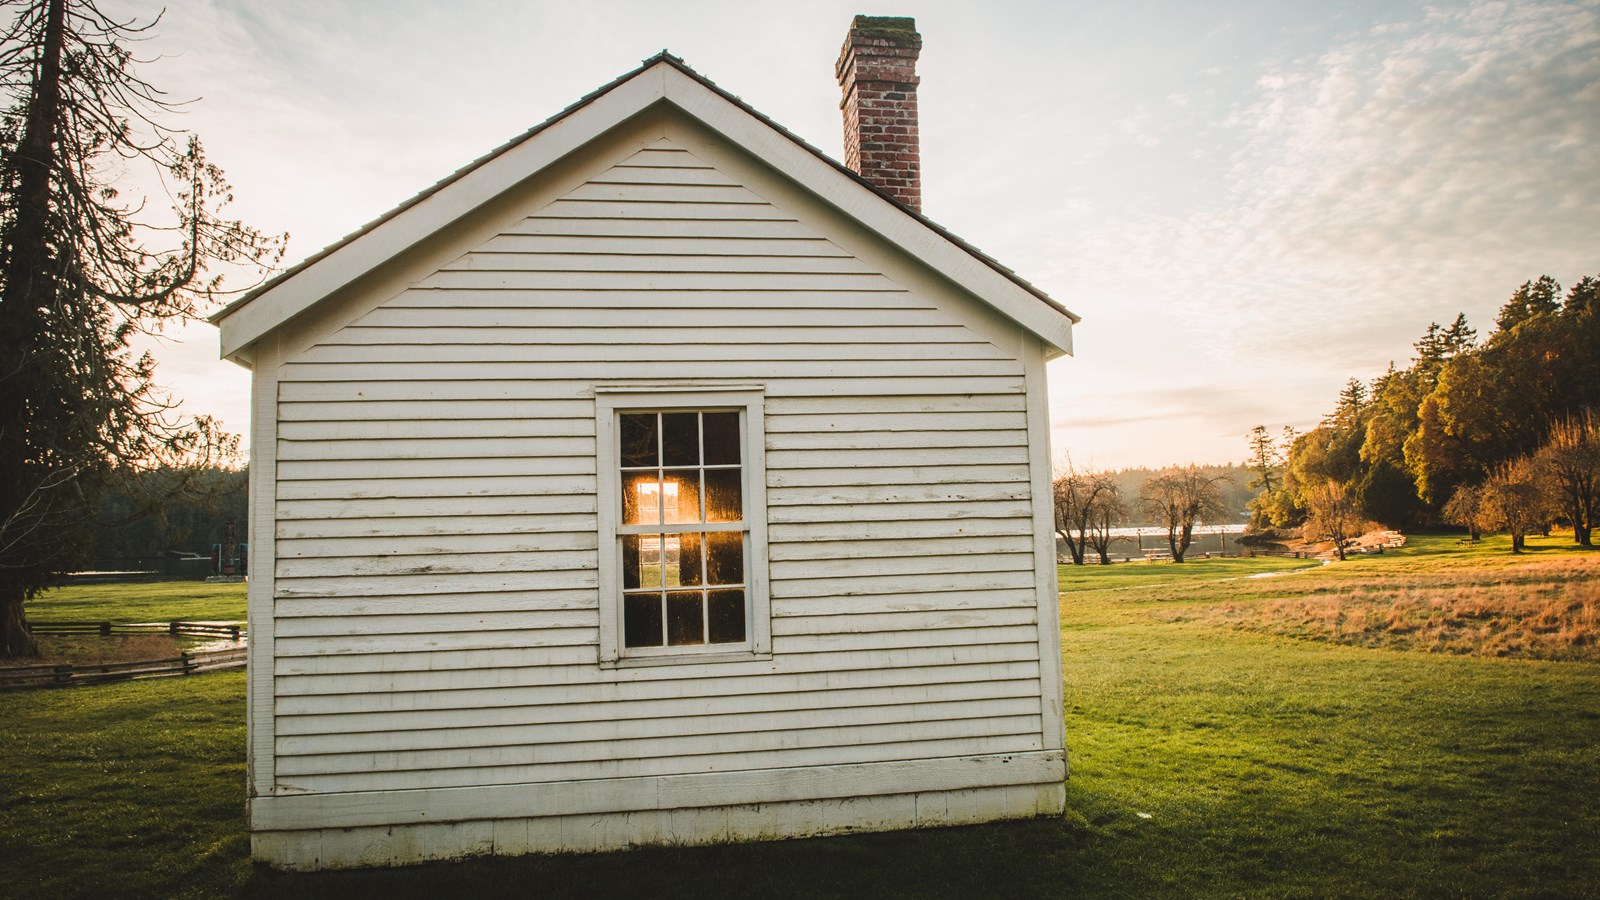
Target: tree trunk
16 639
29 283
1179 542
1074 549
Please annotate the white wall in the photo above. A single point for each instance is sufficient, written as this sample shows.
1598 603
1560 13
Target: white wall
436 613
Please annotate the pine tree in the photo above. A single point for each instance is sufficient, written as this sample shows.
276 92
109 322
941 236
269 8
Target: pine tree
79 279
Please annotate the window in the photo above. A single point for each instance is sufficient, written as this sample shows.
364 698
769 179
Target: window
683 524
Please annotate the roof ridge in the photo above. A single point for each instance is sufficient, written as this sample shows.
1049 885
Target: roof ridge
666 57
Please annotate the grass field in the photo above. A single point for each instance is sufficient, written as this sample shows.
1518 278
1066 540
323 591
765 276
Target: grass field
162 601
1220 747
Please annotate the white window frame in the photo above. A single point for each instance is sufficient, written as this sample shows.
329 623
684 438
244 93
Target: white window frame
612 400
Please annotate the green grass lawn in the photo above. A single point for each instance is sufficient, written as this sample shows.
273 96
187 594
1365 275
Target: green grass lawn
162 601
1208 760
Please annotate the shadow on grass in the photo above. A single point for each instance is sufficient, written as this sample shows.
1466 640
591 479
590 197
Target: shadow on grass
1017 859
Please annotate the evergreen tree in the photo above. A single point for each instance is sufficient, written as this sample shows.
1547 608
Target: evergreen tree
1535 298
78 280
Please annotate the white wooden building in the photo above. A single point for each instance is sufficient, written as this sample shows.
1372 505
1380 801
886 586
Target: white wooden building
652 479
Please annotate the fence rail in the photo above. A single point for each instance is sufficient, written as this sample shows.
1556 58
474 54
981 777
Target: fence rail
13 677
176 629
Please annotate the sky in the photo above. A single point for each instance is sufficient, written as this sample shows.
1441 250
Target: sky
1248 203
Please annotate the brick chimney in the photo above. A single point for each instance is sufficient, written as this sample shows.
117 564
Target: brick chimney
877 72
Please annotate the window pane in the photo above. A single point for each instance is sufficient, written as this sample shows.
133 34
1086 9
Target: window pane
683 560
721 437
642 496
685 620
724 499
641 620
680 439
724 557
631 563
727 616
638 439
649 574
681 492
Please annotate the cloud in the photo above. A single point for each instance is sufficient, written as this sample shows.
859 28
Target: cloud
1473 133
1395 176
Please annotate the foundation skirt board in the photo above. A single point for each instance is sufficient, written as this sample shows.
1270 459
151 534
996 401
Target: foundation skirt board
389 845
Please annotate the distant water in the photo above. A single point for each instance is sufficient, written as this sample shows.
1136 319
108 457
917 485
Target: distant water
1133 540
1161 530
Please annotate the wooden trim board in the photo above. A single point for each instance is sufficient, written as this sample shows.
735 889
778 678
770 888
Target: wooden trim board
289 812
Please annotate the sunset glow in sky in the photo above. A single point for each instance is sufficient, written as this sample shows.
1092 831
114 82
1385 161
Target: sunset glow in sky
1247 202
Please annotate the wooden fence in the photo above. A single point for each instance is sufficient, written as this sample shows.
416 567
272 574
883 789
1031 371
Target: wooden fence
176 629
94 673
13 677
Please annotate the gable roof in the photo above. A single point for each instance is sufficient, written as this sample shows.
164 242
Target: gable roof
661 78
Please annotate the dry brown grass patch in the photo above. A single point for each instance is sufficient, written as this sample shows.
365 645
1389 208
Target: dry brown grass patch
1539 610
93 649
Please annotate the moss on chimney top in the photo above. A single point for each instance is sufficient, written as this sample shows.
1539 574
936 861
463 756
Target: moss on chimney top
887 28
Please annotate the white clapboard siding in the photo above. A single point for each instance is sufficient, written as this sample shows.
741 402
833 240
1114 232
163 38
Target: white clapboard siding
902 684
417 447
532 389
893 475
633 321
665 245
925 601
540 370
404 428
434 623
907 493
322 511
380 487
477 639
449 563
902 620
659 263
895 512
437 610
423 584
350 714
895 530
904 561
552 707
434 526
445 544
869 548
971 401
343 416
505 348
1024 739
462 669
419 297
629 737
405 604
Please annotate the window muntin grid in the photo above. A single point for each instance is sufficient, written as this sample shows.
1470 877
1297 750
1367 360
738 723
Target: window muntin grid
682 535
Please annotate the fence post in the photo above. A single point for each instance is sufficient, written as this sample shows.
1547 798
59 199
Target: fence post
63 674
105 629
188 664
172 629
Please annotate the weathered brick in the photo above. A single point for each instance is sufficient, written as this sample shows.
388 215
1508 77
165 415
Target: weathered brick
878 80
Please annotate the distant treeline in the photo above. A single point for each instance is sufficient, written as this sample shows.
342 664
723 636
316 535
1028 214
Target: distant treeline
149 513
1462 417
1232 482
